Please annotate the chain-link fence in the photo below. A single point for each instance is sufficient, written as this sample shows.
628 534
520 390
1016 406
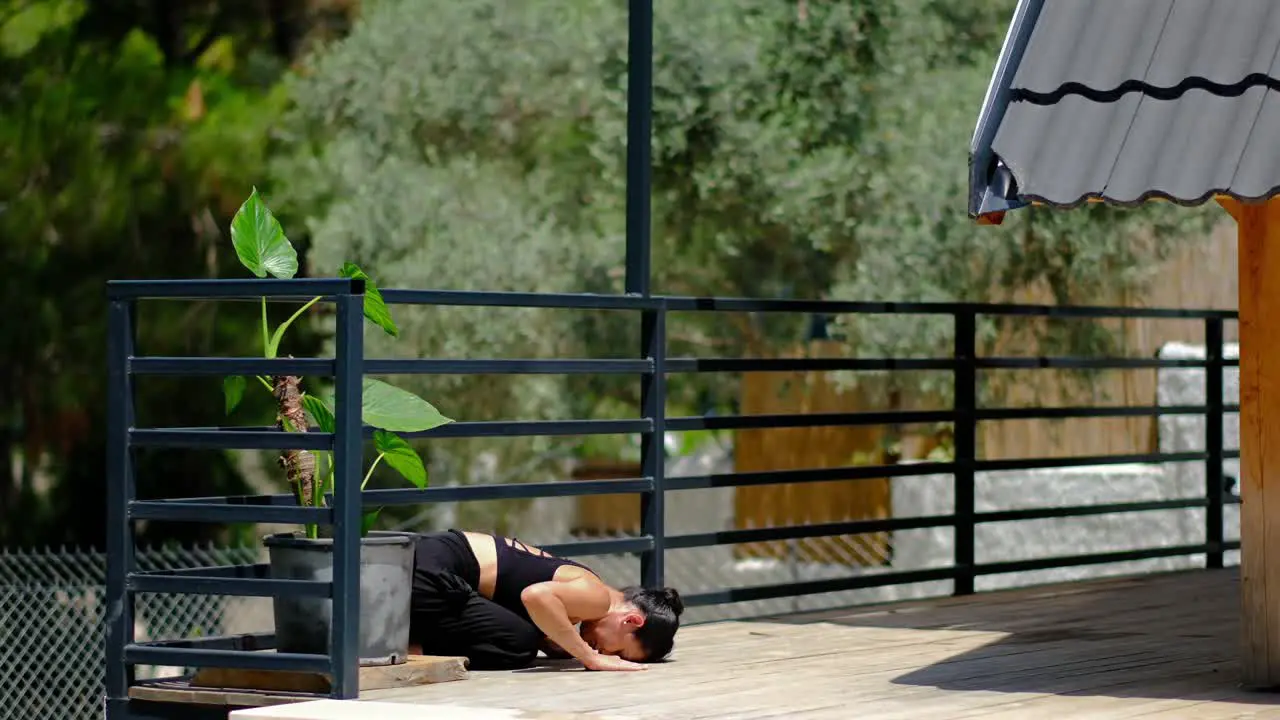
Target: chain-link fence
52 636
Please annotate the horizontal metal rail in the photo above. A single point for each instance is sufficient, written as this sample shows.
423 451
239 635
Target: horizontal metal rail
807 475
816 587
306 288
230 439
244 642
139 654
255 570
797 420
531 428
1087 510
1085 461
514 491
1078 363
215 512
708 365
1061 561
797 532
228 289
608 546
563 301
1061 413
724 304
230 366
508 367
221 585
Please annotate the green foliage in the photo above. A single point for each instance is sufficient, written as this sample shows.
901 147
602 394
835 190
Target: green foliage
400 456
320 413
233 391
375 308
391 408
800 150
115 149
262 248
260 241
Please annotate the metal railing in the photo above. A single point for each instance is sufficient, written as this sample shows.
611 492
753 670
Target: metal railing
653 366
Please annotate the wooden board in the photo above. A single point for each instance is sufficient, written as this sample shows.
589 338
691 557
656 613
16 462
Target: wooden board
1161 646
258 688
415 670
179 690
1259 248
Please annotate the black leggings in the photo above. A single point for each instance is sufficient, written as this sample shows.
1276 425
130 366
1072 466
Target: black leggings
450 617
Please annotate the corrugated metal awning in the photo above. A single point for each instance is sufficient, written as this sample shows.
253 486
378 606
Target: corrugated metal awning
1126 100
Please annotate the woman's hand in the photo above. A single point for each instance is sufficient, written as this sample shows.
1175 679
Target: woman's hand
610 662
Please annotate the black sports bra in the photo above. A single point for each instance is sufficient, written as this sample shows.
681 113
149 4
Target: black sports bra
519 567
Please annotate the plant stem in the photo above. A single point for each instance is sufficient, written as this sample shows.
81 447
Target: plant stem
324 466
370 473
266 332
266 383
274 343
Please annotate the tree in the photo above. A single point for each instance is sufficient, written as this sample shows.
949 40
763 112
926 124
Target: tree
800 149
130 131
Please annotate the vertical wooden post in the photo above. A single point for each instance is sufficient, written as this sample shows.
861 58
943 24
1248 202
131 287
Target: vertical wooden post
1259 249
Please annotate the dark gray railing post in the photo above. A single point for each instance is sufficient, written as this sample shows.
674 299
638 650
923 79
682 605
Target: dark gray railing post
1213 485
653 401
965 434
120 491
639 143
347 456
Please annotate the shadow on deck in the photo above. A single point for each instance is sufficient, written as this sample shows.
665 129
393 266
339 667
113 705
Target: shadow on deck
1169 636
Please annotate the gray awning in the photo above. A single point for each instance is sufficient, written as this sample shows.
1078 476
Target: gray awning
1125 100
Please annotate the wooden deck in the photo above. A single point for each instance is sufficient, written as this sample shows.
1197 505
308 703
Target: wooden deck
1159 646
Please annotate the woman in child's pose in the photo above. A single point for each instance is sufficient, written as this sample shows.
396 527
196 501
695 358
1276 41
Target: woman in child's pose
497 601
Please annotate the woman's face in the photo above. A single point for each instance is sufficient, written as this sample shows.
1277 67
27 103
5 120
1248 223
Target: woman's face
615 634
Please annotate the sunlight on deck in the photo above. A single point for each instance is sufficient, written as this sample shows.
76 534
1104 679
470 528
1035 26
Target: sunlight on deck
1160 646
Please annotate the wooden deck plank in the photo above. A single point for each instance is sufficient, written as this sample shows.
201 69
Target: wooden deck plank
1159 646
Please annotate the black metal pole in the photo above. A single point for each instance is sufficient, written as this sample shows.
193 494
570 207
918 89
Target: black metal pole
652 458
639 138
1213 485
966 401
120 490
639 250
344 644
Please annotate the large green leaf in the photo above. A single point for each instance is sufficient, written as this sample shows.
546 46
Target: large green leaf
400 456
390 408
260 242
367 521
233 391
319 411
375 308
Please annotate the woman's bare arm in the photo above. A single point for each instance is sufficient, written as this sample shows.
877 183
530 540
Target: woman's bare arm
553 651
552 605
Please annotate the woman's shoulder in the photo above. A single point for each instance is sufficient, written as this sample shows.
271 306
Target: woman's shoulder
570 571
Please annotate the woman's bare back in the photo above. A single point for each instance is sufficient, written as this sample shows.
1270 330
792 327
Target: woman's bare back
486 552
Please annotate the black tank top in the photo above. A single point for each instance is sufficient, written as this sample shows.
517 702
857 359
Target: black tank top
519 567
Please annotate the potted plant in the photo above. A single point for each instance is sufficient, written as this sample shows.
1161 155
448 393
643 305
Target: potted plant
386 558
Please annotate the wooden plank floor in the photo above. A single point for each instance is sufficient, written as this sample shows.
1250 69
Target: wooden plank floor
1152 647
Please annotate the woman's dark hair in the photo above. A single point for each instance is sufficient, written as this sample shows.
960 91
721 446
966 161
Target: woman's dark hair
662 608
